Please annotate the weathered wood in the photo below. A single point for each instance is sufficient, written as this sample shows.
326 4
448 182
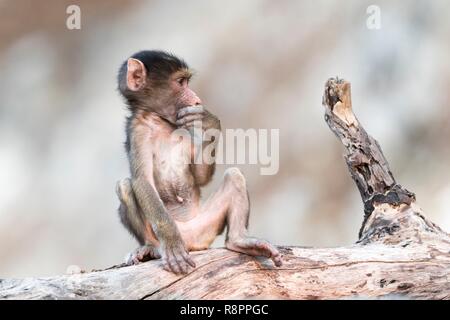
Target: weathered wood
399 254
355 272
365 160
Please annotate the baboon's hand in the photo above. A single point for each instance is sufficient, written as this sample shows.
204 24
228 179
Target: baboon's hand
188 117
175 257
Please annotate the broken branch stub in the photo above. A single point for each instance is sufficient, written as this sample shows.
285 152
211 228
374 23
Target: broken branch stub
365 160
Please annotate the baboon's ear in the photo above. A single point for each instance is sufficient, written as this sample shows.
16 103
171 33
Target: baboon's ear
136 74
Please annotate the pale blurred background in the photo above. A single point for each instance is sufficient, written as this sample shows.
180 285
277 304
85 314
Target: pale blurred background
259 64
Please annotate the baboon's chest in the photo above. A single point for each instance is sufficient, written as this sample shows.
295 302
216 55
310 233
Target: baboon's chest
172 175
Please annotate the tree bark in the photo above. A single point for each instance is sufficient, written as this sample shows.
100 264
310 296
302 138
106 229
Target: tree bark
399 254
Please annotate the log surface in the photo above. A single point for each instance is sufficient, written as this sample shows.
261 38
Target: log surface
367 271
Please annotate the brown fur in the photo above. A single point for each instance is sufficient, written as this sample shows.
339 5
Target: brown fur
160 203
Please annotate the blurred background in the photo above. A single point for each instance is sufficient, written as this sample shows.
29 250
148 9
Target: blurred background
259 64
